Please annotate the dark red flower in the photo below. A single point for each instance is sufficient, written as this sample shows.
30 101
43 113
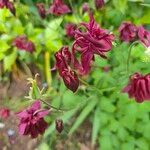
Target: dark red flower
99 4
85 7
11 7
59 125
93 40
127 31
58 8
22 43
70 28
63 62
32 121
4 113
138 87
41 9
144 36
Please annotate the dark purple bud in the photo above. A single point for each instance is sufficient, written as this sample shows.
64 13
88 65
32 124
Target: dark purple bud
4 113
41 10
144 36
85 7
58 8
138 87
59 125
99 4
127 31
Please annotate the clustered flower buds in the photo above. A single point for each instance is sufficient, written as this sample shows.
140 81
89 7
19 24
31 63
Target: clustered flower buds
9 5
32 120
138 87
22 43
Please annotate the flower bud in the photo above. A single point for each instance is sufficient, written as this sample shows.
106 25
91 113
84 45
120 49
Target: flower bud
59 125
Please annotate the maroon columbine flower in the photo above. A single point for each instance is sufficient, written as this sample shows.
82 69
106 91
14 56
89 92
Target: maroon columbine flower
144 36
70 28
93 40
32 121
85 7
4 113
22 43
59 125
3 3
127 31
58 8
63 60
99 4
41 10
138 87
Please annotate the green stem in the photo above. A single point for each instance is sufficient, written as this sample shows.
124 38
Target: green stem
47 68
129 54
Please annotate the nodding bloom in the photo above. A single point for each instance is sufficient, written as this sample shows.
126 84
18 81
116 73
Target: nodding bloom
59 125
41 10
99 4
128 31
58 8
4 113
92 40
144 36
70 28
138 87
32 120
85 7
22 43
63 62
9 5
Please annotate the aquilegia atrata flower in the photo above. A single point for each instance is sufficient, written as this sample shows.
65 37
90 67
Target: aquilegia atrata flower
32 120
92 40
9 5
58 8
22 43
99 4
138 87
70 28
4 113
144 36
41 10
128 31
63 62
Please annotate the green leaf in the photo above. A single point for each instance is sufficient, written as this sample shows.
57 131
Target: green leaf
96 125
85 112
9 60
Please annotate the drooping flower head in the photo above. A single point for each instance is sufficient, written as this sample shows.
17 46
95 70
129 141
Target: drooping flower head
32 120
93 40
4 113
127 31
138 87
41 10
22 43
58 8
99 4
63 63
3 3
70 28
144 36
